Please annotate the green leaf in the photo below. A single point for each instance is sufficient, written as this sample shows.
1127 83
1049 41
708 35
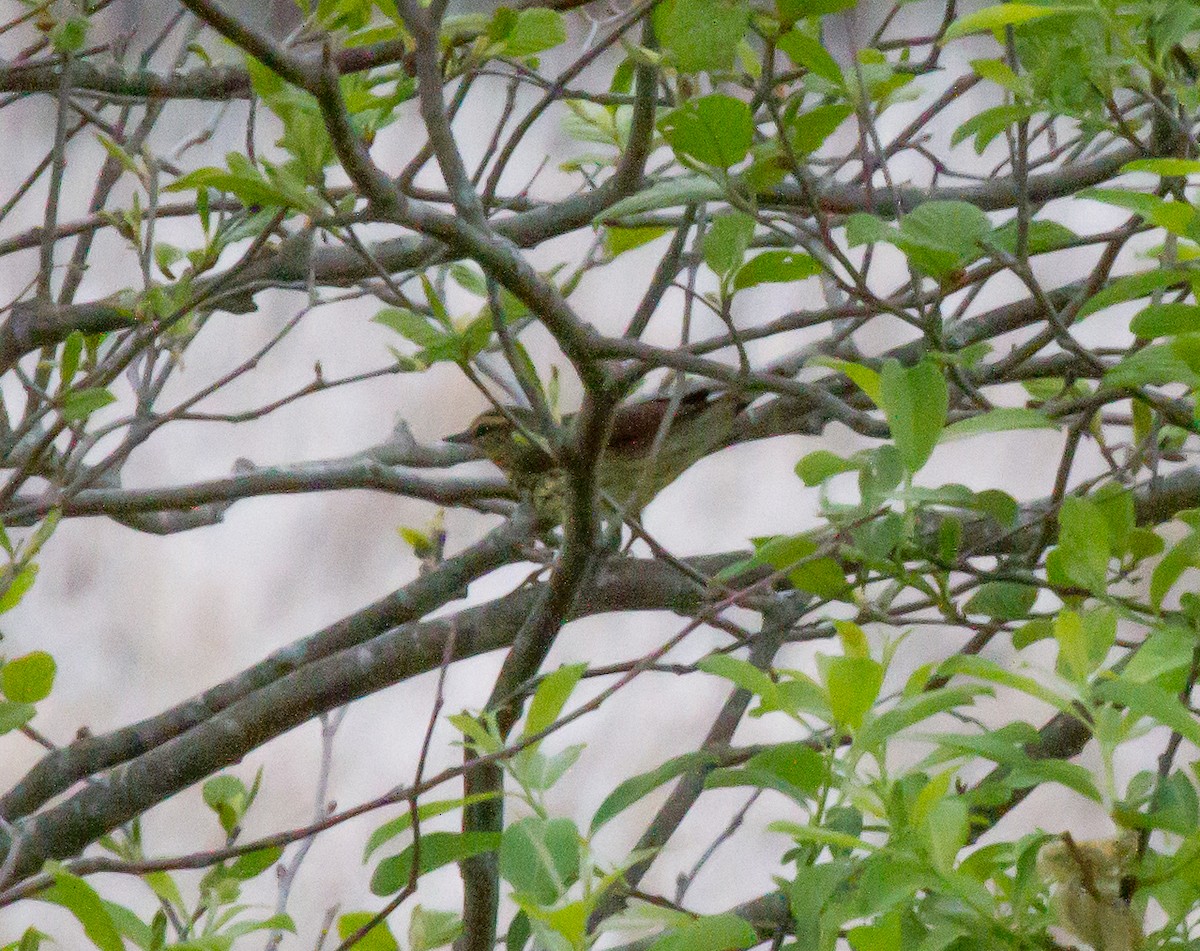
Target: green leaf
437 849
1003 749
715 130
999 72
72 348
619 240
1115 503
131 927
540 858
247 186
853 638
726 241
1165 320
80 404
70 34
164 887
987 124
804 50
724 932
741 672
1039 628
818 466
819 836
1176 807
996 18
1133 286
430 928
946 829
1083 544
862 228
1144 543
971 665
776 267
1182 555
247 866
1072 647
1165 167
792 10
13 716
701 35
1163 658
552 693
636 787
884 935
798 764
1150 701
1043 236
862 376
1003 600
730 778
82 901
880 727
807 131
518 932
228 797
941 236
824 577
1177 217
279 922
403 822
535 31
808 895
411 326
379 938
535 770
997 421
1158 364
671 193
18 587
1099 634
853 684
28 679
915 400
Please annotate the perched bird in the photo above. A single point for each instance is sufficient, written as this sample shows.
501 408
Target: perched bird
632 472
1089 879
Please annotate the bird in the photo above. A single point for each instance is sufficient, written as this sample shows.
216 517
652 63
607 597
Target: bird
632 470
1088 879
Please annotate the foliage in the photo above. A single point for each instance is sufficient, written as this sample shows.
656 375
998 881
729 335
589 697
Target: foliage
754 152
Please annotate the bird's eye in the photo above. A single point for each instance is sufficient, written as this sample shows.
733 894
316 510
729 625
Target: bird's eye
487 427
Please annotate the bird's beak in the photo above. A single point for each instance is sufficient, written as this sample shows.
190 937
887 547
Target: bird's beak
461 439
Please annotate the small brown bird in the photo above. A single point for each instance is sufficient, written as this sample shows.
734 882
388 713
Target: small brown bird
1087 878
631 471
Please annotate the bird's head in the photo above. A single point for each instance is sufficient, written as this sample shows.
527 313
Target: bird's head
508 441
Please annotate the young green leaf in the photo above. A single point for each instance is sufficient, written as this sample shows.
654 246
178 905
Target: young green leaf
1165 320
915 400
1000 420
715 130
636 787
540 858
726 241
853 684
551 695
997 18
82 901
379 938
701 35
28 679
437 849
776 267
